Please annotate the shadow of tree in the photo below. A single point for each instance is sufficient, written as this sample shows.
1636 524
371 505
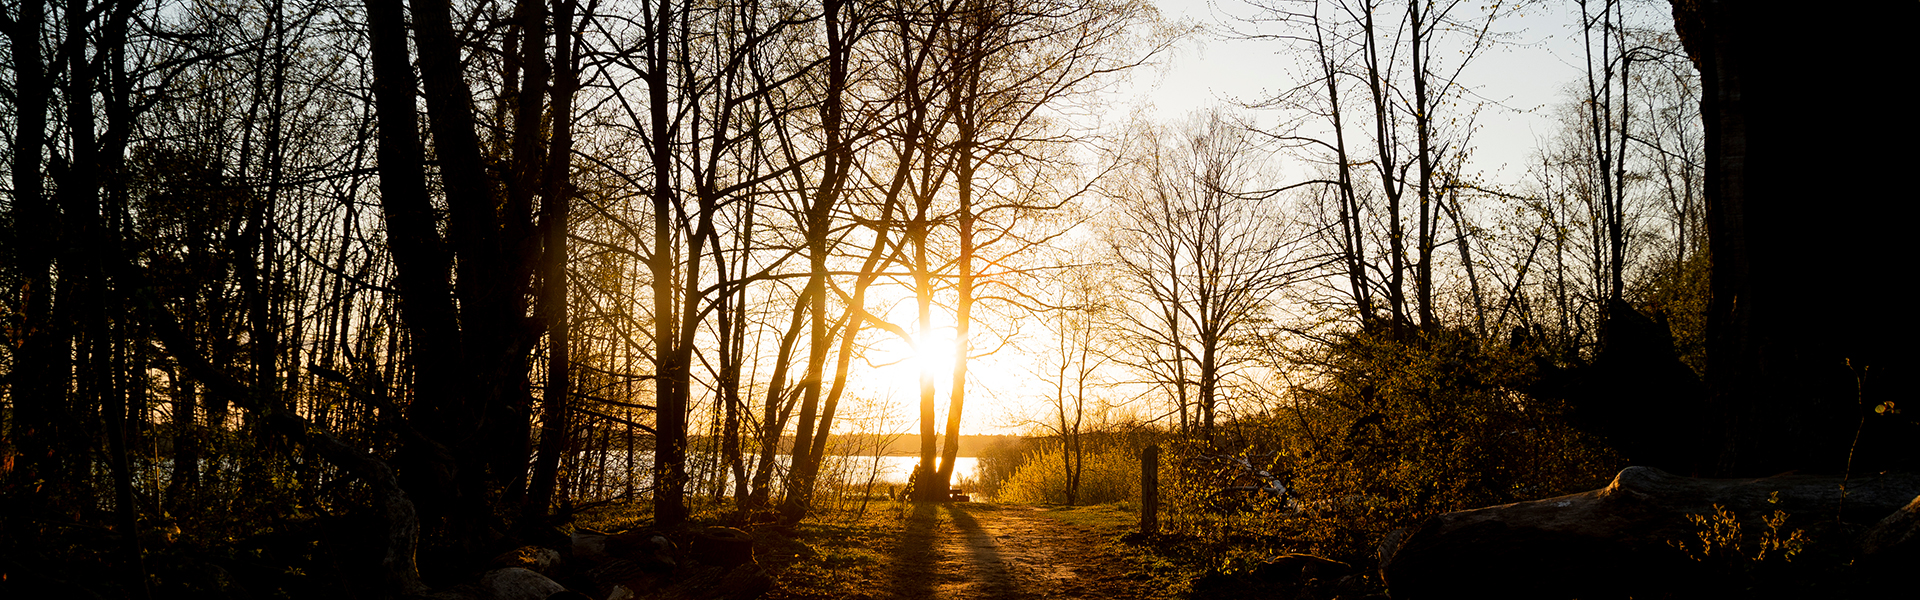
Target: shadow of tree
915 565
987 565
931 564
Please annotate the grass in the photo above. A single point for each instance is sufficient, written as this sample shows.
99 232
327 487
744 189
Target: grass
831 554
1117 517
835 553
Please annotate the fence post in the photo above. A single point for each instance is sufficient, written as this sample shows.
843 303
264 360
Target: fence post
1150 490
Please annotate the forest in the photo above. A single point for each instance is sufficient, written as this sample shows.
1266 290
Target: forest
365 293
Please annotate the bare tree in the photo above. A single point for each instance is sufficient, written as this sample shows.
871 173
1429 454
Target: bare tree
1207 249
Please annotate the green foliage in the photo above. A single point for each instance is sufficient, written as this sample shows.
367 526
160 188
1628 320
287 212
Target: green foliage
1720 539
1391 431
1108 474
1676 294
997 464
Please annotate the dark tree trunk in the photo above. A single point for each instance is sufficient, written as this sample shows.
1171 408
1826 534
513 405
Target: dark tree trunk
36 400
422 263
556 209
1803 223
672 367
810 445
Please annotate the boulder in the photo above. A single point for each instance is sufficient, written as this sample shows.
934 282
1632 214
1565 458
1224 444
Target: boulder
1890 552
532 558
1614 541
518 584
1300 569
647 548
743 582
589 545
722 547
1283 577
1898 534
622 574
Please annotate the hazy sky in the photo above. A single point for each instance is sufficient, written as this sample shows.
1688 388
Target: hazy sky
1524 74
1520 79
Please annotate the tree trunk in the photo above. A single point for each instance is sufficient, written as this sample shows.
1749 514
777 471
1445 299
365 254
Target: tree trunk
1798 290
556 210
37 401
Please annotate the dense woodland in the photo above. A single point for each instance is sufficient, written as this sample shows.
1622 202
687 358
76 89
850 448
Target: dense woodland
455 271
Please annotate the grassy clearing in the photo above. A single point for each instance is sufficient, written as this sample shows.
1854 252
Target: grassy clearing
1115 518
833 553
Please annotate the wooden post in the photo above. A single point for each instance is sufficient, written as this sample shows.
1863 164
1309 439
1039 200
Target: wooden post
1150 490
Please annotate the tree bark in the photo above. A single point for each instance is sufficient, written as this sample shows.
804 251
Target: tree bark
556 210
37 400
1798 288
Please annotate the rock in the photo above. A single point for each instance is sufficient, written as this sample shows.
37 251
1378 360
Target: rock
1287 576
589 545
744 582
722 547
1898 534
1299 569
620 573
532 558
651 550
1586 544
645 565
464 591
1890 552
518 584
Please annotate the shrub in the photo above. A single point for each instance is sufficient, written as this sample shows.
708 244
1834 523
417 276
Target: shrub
998 462
1110 474
1390 432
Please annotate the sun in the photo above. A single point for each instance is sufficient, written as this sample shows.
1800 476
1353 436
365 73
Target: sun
933 356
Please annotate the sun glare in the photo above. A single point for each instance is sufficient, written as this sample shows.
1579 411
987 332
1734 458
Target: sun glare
934 356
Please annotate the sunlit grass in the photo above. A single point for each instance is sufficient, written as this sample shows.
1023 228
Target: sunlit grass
1106 518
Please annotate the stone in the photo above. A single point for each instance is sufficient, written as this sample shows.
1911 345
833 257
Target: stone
1890 552
1636 394
634 577
1283 577
532 558
744 582
589 545
1614 541
1898 534
722 547
518 584
1299 569
646 548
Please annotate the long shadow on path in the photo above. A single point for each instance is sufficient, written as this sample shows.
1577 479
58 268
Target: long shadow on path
915 563
965 562
988 572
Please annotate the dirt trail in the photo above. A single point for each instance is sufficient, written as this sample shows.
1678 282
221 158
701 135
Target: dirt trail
961 551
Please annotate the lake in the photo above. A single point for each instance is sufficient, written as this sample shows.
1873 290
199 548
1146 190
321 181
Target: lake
855 469
896 469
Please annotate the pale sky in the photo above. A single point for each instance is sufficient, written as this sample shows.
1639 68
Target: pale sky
1519 79
1523 75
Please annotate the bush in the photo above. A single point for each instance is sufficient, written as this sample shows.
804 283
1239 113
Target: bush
1109 474
998 462
1392 431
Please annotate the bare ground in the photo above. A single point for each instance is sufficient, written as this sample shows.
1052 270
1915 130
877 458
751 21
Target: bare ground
989 552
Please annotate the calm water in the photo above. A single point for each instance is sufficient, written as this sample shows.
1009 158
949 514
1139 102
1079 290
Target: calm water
896 469
892 470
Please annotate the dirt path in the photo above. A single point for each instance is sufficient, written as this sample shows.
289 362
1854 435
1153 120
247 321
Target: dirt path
967 552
